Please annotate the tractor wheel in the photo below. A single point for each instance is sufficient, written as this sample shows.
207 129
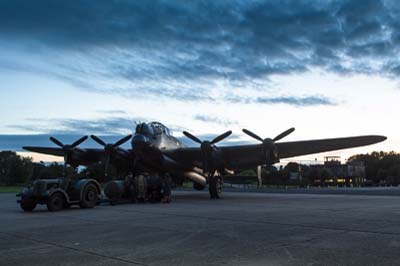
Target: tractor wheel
56 202
89 197
28 205
215 187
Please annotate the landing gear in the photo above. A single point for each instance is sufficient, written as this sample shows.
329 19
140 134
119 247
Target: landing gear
215 186
159 189
166 189
154 190
130 188
141 188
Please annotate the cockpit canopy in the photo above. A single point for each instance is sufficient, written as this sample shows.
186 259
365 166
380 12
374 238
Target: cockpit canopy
159 128
152 128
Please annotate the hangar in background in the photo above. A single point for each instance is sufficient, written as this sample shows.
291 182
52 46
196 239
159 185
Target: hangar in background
333 172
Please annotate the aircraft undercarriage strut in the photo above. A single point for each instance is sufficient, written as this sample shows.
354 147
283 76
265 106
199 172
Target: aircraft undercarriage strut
215 182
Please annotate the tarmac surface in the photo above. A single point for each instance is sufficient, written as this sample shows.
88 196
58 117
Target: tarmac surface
241 229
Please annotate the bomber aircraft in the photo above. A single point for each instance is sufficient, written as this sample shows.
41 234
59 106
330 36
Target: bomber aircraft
156 152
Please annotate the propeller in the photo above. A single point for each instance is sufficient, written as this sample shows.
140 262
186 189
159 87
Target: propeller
207 147
68 148
110 148
269 144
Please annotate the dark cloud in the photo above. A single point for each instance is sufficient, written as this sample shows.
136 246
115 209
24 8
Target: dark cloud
109 130
180 49
215 120
105 126
289 100
16 142
113 112
109 126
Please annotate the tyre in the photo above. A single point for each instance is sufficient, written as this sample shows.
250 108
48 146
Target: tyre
56 202
215 188
28 205
166 199
166 190
141 188
155 196
90 196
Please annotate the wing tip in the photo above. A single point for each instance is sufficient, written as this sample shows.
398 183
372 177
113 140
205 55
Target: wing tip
378 138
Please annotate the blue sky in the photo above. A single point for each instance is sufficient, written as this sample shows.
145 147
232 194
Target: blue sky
328 68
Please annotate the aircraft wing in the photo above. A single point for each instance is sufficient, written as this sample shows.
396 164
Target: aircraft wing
79 156
45 150
297 148
237 157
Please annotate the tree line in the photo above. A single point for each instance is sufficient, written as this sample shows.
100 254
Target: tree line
18 170
380 168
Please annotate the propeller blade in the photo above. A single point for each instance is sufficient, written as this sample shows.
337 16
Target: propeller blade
283 134
190 136
122 141
79 141
221 137
251 134
57 142
207 150
65 165
98 140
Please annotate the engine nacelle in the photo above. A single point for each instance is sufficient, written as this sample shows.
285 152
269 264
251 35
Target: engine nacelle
171 165
196 178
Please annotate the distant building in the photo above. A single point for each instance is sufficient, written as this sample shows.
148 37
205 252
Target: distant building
333 172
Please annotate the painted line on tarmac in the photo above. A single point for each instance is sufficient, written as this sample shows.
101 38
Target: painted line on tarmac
74 249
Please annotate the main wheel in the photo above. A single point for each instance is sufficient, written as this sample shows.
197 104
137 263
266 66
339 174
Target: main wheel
90 196
215 187
56 202
141 188
28 205
155 195
166 190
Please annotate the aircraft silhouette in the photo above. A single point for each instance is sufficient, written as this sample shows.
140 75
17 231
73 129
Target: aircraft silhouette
154 150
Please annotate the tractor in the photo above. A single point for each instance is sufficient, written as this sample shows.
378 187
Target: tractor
60 193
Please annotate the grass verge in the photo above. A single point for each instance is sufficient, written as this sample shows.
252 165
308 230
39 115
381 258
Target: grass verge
10 189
